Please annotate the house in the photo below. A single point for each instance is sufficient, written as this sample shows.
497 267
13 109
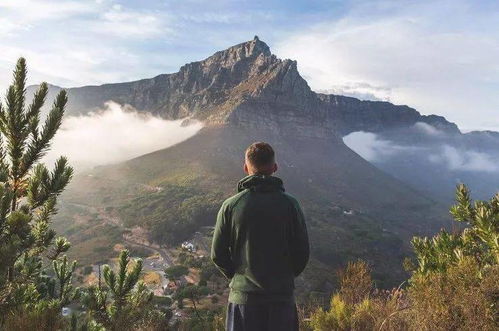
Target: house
66 311
188 246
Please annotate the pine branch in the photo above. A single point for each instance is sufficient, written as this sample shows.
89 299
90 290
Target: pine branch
33 114
39 144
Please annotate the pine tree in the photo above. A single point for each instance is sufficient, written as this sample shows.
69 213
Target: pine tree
479 240
124 302
28 196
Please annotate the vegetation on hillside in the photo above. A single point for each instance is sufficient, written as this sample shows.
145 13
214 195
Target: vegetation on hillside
454 285
172 214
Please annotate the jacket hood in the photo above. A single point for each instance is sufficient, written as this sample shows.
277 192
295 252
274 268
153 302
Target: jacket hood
260 183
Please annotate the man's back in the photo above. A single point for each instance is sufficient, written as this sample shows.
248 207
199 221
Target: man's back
260 241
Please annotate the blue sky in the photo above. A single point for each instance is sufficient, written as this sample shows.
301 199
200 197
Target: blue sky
438 56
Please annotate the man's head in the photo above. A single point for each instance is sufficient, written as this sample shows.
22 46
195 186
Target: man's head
259 159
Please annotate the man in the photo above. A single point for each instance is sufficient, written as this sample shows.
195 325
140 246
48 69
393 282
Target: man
260 243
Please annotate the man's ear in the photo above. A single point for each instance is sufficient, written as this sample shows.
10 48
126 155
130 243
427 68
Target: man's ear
275 167
246 168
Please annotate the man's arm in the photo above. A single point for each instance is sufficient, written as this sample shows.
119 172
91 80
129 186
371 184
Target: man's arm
220 252
300 249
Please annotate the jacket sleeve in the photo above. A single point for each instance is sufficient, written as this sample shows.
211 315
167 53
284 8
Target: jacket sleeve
299 245
220 247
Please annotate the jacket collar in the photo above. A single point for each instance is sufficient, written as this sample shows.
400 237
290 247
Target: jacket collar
260 183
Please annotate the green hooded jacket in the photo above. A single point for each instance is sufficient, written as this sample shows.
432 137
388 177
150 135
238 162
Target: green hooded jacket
260 241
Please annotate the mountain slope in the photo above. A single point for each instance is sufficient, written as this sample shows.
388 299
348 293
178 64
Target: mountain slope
353 209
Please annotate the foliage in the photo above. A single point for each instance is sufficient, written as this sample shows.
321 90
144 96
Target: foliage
355 282
480 240
192 292
464 297
176 271
124 303
359 306
174 213
455 284
46 315
28 196
210 320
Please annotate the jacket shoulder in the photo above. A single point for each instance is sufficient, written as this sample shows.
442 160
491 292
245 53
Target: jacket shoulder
292 200
233 200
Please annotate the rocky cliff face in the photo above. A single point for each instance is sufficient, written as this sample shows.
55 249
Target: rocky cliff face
246 85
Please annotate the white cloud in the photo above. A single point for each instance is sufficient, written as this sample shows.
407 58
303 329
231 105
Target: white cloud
62 65
370 146
22 14
73 43
377 150
465 160
122 23
427 129
115 134
360 90
441 57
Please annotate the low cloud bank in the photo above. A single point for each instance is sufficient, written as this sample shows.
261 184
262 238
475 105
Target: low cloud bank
465 160
115 134
376 149
370 146
360 90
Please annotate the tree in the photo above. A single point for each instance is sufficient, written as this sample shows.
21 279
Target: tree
124 302
28 196
193 293
175 272
456 279
479 240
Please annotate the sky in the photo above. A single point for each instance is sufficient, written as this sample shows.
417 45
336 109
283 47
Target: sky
440 57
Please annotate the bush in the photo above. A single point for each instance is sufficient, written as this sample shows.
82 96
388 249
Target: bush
463 298
43 316
358 306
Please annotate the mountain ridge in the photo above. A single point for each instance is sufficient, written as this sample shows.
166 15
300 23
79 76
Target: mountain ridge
234 81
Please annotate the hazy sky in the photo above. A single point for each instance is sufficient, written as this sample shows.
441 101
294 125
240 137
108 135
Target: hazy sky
437 56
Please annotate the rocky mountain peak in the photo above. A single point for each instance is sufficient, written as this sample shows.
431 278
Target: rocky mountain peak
246 85
246 52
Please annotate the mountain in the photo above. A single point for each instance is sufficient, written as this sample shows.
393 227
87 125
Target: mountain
245 94
246 86
217 89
